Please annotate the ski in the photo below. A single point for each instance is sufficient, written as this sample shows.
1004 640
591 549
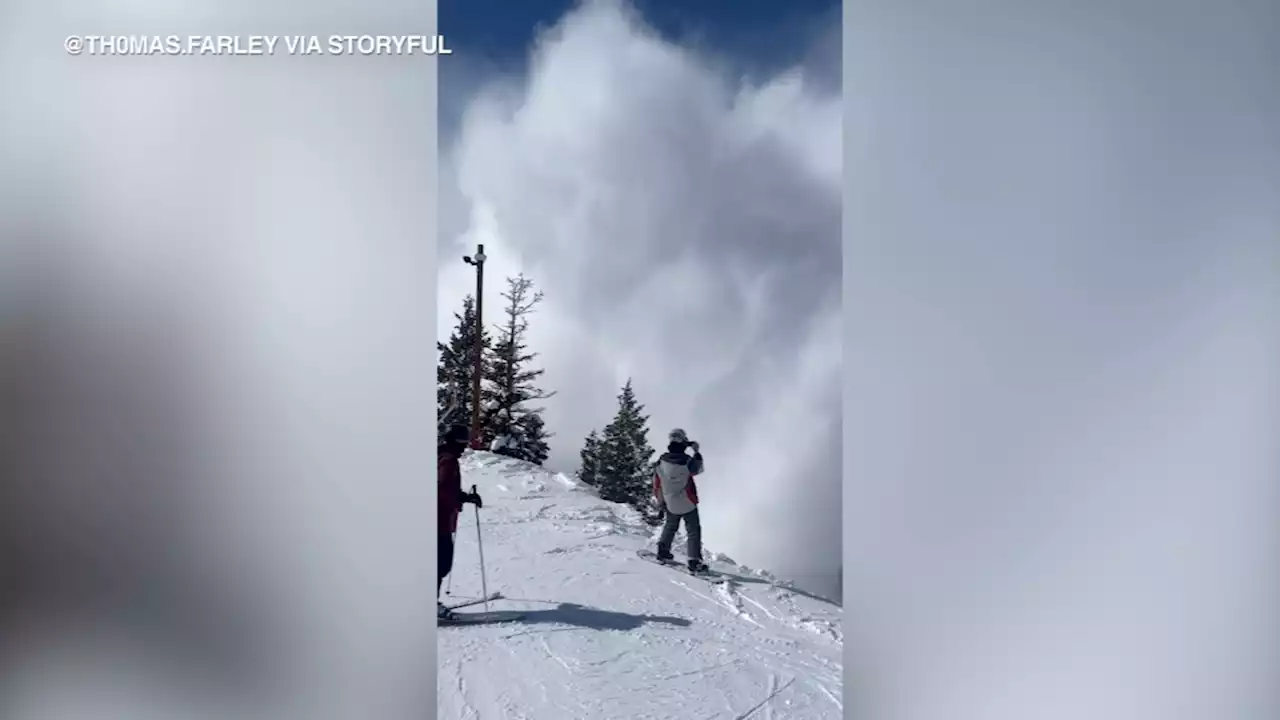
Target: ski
469 603
709 575
480 618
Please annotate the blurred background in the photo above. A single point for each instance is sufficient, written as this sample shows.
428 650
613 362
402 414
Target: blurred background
216 293
1062 302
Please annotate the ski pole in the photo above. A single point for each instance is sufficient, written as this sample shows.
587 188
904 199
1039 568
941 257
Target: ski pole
484 585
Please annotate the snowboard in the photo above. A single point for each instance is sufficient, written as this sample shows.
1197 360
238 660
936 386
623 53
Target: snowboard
480 618
480 601
709 575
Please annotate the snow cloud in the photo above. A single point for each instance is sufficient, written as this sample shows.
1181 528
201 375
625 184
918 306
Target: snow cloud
685 227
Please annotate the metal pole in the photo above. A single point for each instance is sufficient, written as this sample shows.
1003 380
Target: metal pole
477 351
484 584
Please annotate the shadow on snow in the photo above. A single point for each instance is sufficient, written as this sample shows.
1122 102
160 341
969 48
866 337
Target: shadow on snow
591 618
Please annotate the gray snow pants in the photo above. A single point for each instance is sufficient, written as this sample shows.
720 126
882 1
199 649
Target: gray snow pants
692 528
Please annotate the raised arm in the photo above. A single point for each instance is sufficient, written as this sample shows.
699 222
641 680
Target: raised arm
695 463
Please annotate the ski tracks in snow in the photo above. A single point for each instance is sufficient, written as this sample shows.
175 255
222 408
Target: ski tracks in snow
614 636
781 653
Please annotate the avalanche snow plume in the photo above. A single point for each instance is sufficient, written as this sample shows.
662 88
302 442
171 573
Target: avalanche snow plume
606 634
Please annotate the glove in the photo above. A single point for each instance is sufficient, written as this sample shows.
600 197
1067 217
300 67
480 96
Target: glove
693 444
473 498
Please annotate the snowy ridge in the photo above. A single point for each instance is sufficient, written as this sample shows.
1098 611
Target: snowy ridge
609 636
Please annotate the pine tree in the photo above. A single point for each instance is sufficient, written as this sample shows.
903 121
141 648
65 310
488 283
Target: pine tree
511 380
454 368
535 439
589 471
624 455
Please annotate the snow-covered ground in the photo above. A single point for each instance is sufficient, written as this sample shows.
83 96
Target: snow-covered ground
609 636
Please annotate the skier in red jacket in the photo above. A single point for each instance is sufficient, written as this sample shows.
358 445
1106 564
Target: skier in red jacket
449 501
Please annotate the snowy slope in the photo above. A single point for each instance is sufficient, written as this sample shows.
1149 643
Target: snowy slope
609 636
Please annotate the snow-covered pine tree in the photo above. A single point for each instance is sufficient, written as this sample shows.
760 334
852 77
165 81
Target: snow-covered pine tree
611 465
624 454
453 371
643 459
589 470
511 380
535 439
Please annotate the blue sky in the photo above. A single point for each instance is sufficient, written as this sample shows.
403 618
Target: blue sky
502 29
756 37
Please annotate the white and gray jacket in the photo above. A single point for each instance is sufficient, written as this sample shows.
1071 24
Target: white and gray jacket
673 485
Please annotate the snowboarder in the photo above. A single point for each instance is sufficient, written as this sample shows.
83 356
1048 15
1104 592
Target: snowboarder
449 501
677 495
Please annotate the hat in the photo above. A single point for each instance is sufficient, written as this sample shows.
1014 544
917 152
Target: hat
456 433
678 436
